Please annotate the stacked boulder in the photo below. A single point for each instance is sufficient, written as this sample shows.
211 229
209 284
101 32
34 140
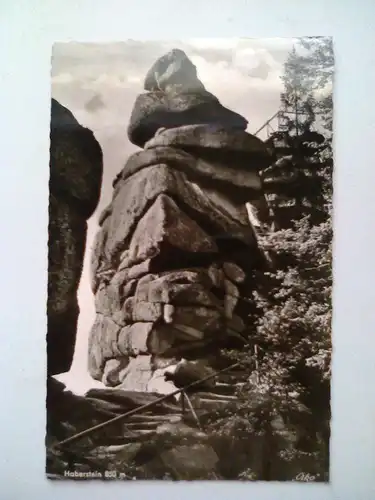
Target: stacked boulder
172 261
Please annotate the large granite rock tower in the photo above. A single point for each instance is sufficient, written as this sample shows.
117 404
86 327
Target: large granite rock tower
173 259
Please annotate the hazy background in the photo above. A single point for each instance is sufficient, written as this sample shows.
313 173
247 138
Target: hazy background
99 84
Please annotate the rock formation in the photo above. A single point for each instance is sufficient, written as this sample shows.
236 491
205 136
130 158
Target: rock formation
75 181
173 274
174 266
172 262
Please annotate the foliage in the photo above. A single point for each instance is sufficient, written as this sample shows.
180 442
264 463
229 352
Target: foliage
308 77
294 327
285 404
298 183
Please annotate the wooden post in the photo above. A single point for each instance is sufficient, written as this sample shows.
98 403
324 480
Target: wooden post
192 410
183 403
256 362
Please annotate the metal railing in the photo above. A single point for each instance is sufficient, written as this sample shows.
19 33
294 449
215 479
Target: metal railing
182 390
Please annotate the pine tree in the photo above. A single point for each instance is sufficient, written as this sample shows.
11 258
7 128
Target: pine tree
298 183
317 65
282 423
294 183
294 301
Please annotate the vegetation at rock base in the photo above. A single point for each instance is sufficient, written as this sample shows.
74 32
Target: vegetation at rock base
285 405
282 424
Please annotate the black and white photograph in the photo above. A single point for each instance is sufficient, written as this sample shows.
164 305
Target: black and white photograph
190 260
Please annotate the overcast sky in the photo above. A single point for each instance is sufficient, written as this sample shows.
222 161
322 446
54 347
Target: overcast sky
99 84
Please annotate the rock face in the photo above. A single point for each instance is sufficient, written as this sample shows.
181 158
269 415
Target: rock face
172 263
75 181
171 272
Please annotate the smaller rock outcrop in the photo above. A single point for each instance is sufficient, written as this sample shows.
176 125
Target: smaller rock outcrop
76 168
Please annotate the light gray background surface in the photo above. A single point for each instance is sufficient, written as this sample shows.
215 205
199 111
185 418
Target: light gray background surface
27 31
